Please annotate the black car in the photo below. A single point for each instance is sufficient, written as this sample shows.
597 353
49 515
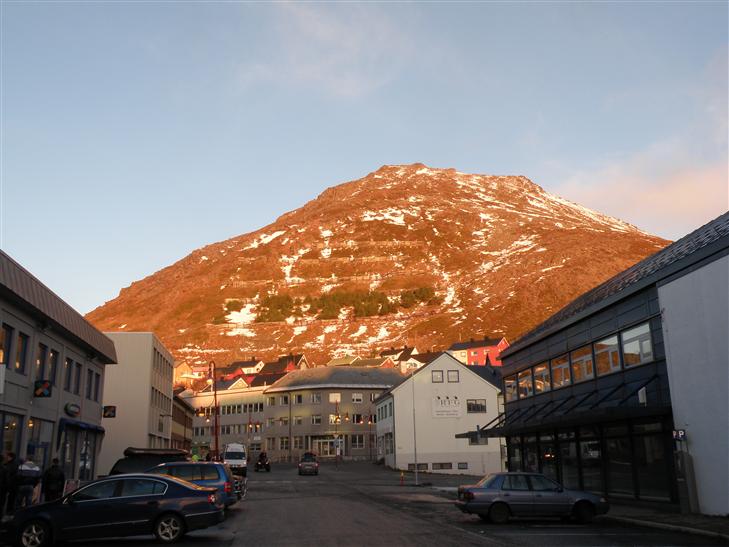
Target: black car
123 505
138 460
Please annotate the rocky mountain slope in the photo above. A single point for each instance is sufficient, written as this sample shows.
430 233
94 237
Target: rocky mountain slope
408 254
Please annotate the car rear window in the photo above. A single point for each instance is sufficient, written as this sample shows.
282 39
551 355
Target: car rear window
209 472
308 458
185 472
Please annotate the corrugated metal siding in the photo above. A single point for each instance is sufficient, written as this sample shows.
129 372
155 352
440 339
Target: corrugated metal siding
23 285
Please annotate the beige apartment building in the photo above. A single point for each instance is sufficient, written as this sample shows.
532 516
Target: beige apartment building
326 410
140 387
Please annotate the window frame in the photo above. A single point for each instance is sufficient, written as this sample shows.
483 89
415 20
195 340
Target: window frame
453 373
436 376
562 367
546 387
475 403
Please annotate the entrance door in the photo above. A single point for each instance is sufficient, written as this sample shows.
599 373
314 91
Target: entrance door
325 447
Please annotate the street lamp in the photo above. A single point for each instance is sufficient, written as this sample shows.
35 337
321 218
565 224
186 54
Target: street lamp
212 374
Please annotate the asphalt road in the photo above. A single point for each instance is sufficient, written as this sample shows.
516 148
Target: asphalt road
362 504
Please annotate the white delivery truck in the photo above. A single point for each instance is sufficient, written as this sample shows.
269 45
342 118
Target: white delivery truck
234 454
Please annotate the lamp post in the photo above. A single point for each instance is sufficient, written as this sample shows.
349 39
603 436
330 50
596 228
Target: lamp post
212 372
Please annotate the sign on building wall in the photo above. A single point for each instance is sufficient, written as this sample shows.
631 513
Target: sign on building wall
446 406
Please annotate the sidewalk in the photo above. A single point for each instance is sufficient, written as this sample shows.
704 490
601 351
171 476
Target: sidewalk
677 522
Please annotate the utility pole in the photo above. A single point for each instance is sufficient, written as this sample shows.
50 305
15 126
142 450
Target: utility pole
415 437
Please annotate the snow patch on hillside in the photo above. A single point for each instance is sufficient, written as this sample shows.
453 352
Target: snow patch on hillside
241 332
264 239
245 316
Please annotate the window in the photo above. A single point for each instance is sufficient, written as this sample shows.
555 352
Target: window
208 472
298 399
298 443
452 376
606 356
446 465
356 397
316 398
462 465
335 397
141 487
334 419
560 371
541 378
298 420
475 405
283 443
637 347
421 467
515 482
526 384
40 362
270 443
283 400
67 374
437 376
283 421
510 388
97 382
6 338
357 441
98 491
272 401
316 419
373 396
270 422
21 353
77 378
357 419
581 360
543 484
53 369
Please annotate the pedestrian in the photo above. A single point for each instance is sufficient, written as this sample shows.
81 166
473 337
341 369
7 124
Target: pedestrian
195 458
53 481
29 475
11 481
208 457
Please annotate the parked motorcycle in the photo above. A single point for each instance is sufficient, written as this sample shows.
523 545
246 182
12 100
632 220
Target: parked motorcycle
263 463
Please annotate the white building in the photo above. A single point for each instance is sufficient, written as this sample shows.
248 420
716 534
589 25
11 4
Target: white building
695 310
441 399
140 387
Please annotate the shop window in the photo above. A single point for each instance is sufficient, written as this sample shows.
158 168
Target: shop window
569 470
607 356
651 463
620 467
526 385
10 432
637 346
541 378
582 368
40 438
560 371
510 388
591 456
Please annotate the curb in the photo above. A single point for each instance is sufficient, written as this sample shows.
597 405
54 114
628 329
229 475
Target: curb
669 527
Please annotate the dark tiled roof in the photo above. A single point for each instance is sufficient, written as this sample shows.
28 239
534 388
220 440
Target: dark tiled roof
275 367
20 286
338 377
242 364
373 362
486 342
696 246
221 385
295 357
426 357
266 379
491 374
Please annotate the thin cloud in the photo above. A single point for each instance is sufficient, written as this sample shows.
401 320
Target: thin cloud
348 50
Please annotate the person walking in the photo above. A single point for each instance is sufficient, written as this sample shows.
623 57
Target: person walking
29 475
53 481
11 481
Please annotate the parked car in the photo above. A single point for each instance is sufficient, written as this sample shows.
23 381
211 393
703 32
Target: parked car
308 465
213 474
499 496
123 505
235 456
137 460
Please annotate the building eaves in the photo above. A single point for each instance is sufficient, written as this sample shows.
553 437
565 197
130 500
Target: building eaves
709 240
19 286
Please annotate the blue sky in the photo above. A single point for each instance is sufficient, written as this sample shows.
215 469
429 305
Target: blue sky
135 132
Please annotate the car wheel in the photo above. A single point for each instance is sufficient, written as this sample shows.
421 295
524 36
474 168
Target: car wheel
35 533
499 513
169 528
584 512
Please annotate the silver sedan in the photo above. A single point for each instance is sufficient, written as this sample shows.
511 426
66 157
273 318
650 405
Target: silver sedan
499 496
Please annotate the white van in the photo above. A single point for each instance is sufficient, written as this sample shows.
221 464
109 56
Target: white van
234 454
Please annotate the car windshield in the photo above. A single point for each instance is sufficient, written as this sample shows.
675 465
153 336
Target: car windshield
235 455
487 481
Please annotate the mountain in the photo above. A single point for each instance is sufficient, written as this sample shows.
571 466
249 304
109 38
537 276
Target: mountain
406 255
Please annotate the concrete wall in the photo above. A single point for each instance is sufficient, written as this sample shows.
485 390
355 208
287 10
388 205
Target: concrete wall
436 426
695 310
